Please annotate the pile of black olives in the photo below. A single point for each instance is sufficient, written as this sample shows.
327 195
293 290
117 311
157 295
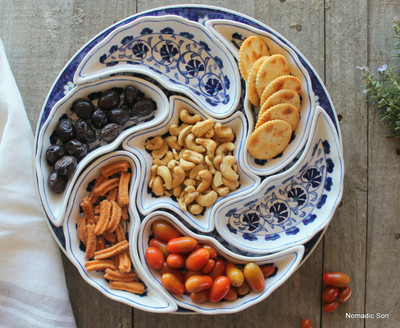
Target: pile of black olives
104 122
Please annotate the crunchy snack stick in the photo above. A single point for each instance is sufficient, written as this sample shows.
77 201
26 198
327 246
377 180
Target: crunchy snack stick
114 168
124 262
106 186
91 241
81 228
99 265
111 251
105 214
100 244
87 208
119 276
123 190
132 287
115 217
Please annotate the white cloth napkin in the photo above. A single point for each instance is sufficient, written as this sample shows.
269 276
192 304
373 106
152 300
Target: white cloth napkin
33 292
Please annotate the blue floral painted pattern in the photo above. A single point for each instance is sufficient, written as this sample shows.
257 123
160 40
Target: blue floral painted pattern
176 55
286 208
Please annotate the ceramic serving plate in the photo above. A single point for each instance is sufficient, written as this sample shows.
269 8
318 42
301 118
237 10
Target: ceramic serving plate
185 57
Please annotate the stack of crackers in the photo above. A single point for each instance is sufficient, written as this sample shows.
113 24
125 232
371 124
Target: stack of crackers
272 88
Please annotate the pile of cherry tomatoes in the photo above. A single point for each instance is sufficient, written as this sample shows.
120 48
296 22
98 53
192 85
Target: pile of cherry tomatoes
190 267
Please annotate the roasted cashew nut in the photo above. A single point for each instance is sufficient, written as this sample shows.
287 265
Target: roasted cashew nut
192 156
165 173
227 168
174 129
160 153
178 176
202 127
154 143
182 135
192 145
172 142
225 148
195 209
158 186
207 199
223 133
232 185
188 118
205 177
208 144
222 191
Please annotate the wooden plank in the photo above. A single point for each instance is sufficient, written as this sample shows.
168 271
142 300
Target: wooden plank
345 240
383 265
300 296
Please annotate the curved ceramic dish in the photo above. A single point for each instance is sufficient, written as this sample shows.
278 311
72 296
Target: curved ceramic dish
184 55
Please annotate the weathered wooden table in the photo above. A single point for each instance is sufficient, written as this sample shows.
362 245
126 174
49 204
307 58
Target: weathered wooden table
363 239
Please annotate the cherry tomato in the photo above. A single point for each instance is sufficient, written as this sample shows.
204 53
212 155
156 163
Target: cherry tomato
344 294
306 323
181 244
235 275
330 307
161 245
254 276
219 289
232 294
244 289
164 230
200 297
197 283
268 270
176 261
197 259
330 294
154 258
189 274
175 272
172 284
219 269
212 250
208 267
336 279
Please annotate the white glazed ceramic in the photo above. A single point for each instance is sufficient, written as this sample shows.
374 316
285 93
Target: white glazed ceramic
182 55
147 202
286 263
54 204
291 207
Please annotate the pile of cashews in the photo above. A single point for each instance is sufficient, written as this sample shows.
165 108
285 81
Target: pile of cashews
194 162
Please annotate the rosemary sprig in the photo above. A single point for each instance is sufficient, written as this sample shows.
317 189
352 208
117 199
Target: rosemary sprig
383 89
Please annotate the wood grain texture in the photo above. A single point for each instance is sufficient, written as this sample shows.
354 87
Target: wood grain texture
40 36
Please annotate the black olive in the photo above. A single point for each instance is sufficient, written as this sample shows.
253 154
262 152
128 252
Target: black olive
56 182
143 107
131 93
83 108
77 148
54 153
84 131
118 116
66 165
99 118
109 132
109 100
65 129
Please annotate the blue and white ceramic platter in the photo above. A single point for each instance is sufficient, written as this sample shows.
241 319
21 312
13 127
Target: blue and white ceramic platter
186 56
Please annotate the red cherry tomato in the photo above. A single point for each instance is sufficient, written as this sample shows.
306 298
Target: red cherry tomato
268 270
188 274
336 279
164 230
244 289
219 269
306 323
200 297
208 267
234 274
161 245
172 284
330 307
330 294
154 258
176 261
177 273
197 259
212 250
232 294
197 283
181 244
254 276
344 294
219 289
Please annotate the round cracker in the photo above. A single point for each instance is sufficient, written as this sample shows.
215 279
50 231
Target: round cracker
276 65
281 82
269 139
285 112
284 96
251 81
251 49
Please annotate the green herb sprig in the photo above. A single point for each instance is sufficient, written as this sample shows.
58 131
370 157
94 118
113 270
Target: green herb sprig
383 89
